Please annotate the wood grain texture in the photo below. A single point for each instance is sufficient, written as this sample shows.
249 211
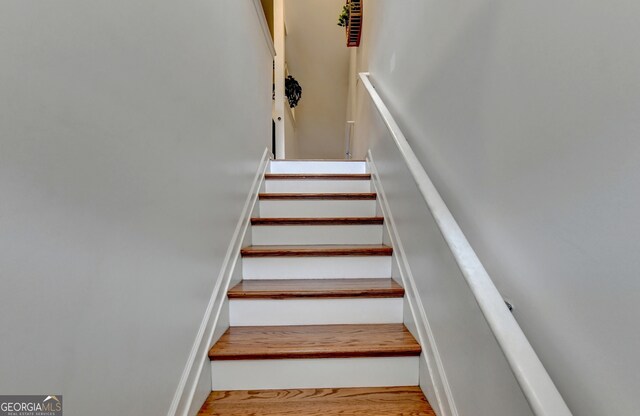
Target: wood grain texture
312 288
319 196
371 401
319 160
315 341
319 221
318 176
317 250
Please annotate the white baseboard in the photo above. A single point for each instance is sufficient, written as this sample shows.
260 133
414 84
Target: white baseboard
436 386
183 403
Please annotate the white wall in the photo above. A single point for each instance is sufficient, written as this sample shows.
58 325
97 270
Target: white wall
525 115
477 378
318 58
130 133
291 142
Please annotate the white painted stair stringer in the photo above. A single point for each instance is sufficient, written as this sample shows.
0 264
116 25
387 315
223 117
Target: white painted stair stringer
188 396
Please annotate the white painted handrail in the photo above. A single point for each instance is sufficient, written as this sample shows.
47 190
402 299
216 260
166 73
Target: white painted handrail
538 388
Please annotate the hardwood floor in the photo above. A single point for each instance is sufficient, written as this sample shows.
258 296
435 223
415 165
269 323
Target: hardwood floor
320 160
315 341
316 288
376 401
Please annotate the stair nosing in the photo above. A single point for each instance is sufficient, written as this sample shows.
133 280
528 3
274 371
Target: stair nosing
317 196
351 341
318 160
317 251
239 292
371 353
318 176
279 221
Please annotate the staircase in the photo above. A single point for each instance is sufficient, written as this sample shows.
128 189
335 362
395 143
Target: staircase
317 321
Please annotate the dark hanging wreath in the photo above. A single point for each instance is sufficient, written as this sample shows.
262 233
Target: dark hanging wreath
292 90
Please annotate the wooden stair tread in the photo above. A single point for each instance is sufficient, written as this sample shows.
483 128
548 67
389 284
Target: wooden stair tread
319 160
314 341
319 221
316 288
318 176
369 401
317 250
317 196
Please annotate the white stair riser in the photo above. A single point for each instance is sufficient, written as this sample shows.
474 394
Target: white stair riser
317 208
258 312
289 166
316 186
347 267
314 373
316 234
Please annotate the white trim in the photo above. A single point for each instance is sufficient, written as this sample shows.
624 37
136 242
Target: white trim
183 397
535 382
439 382
265 26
